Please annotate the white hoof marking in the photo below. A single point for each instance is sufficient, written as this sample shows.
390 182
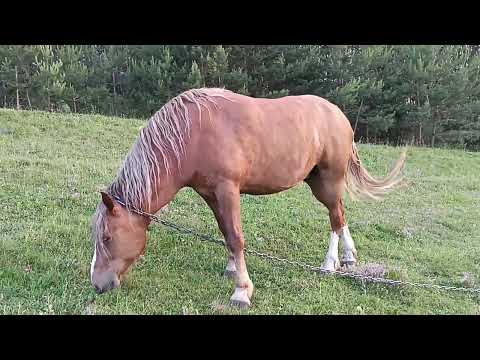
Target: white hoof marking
240 296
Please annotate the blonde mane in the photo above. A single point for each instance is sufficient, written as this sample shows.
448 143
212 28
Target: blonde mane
165 134
164 138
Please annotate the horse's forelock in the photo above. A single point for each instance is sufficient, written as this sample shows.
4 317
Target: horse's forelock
99 225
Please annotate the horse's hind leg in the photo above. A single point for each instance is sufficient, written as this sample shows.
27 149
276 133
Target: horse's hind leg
349 257
328 187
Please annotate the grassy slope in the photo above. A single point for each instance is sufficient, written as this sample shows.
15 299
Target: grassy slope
52 165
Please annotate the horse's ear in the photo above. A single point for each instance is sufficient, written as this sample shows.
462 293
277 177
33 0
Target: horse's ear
108 201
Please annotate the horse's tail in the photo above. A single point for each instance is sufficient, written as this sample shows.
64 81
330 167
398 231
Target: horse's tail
360 184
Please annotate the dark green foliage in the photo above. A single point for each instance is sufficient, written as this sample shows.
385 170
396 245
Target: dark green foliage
427 95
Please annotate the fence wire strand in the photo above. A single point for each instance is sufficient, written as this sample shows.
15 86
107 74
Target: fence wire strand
305 266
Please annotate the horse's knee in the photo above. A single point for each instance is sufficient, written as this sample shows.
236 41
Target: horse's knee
235 242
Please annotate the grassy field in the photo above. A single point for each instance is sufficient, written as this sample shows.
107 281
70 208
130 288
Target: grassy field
52 166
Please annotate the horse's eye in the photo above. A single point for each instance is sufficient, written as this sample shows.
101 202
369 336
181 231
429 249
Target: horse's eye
107 238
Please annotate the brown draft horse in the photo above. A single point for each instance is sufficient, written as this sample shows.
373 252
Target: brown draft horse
223 144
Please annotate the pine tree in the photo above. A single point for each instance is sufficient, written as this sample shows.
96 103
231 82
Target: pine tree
216 67
194 79
429 94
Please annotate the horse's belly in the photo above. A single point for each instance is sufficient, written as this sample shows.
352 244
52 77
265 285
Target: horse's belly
264 188
272 174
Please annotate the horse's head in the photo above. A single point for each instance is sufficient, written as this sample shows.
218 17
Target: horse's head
120 238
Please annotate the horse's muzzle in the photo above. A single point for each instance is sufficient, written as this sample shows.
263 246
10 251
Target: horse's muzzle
106 282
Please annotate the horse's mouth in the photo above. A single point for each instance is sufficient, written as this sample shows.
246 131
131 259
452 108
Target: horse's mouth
105 289
113 283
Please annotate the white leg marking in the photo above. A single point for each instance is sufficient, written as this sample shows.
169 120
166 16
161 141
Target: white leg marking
242 295
243 289
92 266
331 260
349 251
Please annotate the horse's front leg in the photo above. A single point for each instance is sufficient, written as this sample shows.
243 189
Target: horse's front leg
227 197
231 269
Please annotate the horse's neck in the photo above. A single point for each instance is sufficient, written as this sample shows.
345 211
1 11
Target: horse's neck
163 193
161 188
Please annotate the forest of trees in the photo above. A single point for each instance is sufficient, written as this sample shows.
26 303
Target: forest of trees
427 95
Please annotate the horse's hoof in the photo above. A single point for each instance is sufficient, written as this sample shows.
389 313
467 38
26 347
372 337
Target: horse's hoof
331 265
240 304
229 273
348 261
241 298
349 258
348 264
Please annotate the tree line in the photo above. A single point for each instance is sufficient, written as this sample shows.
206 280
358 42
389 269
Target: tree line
426 95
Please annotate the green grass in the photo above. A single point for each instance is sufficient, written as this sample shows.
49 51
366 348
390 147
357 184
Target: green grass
52 166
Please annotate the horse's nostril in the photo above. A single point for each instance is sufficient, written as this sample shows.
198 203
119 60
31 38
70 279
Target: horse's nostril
98 290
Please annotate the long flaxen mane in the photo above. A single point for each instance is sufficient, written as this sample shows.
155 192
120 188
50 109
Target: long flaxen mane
162 139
